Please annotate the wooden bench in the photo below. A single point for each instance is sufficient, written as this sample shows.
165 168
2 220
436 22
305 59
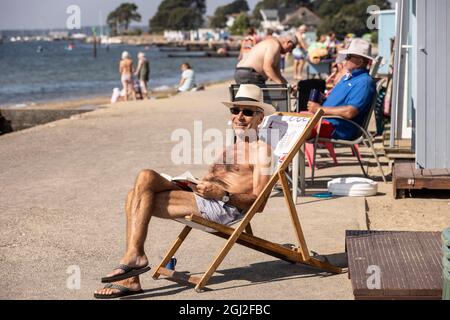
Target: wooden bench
405 176
409 264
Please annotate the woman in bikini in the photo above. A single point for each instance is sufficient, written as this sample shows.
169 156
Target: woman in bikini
126 72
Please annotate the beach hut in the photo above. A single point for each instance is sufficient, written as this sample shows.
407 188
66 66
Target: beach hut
420 104
386 35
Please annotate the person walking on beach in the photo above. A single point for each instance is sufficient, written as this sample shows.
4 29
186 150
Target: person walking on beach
143 74
263 61
126 74
300 53
187 81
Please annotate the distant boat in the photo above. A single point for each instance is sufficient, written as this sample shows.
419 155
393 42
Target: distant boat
202 54
111 40
79 36
188 54
171 49
39 49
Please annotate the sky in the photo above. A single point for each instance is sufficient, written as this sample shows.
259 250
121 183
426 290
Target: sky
47 14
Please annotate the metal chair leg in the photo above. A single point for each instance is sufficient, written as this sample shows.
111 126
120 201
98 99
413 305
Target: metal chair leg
376 159
359 160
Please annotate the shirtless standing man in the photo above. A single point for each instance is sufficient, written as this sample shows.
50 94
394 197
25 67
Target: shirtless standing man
226 192
126 71
263 61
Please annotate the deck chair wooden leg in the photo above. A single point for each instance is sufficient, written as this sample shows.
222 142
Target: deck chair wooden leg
177 243
248 229
303 248
294 217
229 244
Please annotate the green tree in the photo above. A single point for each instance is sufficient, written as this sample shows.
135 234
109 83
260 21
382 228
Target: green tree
276 4
220 15
171 15
121 17
241 24
325 8
113 23
348 16
219 19
264 4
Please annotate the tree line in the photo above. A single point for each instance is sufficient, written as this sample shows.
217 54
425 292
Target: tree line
340 16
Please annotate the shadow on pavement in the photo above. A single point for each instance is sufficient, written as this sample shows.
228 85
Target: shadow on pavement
256 273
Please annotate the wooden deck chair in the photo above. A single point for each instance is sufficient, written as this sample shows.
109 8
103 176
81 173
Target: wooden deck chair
243 234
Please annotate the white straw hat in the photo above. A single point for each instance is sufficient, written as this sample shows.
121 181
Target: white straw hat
252 96
359 47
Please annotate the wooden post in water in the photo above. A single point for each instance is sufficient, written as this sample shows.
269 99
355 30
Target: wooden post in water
95 43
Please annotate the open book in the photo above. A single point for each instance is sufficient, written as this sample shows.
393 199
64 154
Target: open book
184 180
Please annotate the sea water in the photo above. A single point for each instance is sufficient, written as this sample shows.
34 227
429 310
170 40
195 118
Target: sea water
33 72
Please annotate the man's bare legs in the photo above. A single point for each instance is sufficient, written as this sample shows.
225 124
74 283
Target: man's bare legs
301 67
125 88
296 69
149 197
144 89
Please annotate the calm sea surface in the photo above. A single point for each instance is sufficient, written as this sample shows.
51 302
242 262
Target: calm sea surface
28 76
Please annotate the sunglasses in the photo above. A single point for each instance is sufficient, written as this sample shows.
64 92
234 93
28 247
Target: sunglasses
245 112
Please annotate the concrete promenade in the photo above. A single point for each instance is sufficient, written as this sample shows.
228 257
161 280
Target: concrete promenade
62 193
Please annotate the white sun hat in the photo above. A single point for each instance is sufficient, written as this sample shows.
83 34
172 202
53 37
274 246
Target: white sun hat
252 96
359 47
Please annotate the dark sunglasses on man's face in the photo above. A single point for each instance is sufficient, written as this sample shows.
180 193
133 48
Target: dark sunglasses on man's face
245 112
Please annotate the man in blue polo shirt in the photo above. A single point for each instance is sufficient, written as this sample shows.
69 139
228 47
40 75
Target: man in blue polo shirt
352 97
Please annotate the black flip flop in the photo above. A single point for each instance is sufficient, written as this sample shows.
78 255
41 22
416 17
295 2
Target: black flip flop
123 292
128 273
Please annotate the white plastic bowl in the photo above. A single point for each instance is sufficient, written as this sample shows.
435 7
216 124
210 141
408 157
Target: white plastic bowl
353 187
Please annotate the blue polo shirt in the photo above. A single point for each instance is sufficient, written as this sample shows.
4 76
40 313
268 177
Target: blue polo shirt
356 91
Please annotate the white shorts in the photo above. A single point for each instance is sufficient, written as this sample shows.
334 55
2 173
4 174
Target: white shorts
218 211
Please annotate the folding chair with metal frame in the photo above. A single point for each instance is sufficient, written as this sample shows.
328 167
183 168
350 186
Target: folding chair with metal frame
365 138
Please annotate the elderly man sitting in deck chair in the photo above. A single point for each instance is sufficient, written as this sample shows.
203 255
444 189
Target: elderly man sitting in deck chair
224 195
351 98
